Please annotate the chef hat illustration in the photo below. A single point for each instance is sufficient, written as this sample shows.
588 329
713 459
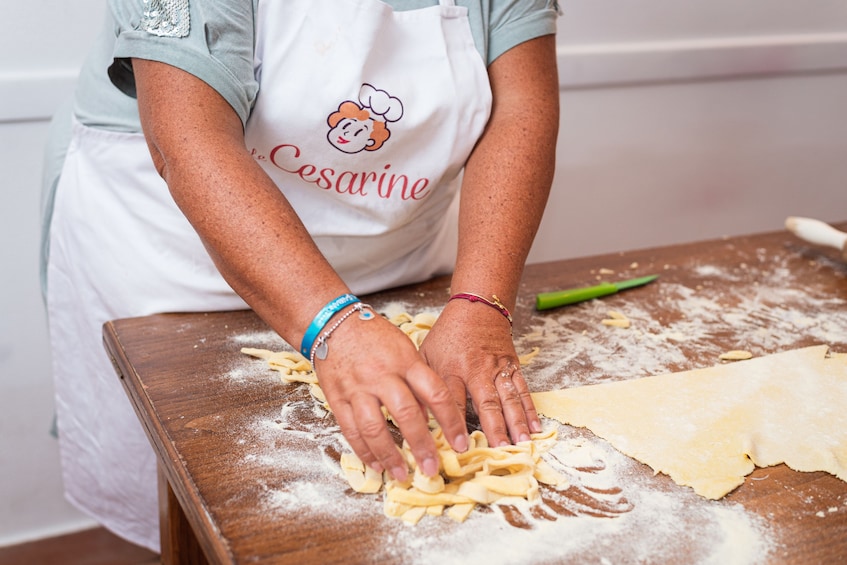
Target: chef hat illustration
381 104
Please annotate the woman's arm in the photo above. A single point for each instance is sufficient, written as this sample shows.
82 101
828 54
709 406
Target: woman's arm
265 253
506 183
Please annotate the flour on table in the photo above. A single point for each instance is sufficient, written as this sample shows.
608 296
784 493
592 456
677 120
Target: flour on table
767 317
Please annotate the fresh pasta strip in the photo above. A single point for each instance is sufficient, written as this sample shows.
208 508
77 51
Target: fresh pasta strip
417 328
616 319
527 358
460 512
426 484
359 477
294 368
436 510
400 319
414 497
413 515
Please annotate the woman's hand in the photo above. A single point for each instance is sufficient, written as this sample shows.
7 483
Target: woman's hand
370 364
504 189
471 347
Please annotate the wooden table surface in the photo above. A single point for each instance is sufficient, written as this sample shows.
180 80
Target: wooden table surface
253 461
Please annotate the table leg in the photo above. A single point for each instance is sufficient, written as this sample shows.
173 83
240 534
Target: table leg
179 544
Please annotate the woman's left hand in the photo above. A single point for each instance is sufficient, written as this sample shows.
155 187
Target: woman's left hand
504 188
471 347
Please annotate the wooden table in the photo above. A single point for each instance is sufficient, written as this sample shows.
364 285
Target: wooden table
248 464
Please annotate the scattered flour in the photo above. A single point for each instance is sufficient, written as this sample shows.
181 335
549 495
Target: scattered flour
766 316
268 339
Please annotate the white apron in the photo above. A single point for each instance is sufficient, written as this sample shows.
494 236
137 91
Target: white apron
369 154
365 133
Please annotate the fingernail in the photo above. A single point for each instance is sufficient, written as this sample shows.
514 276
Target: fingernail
376 467
460 444
504 443
535 427
524 437
430 467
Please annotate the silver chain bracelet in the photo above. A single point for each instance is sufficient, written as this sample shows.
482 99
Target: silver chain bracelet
320 348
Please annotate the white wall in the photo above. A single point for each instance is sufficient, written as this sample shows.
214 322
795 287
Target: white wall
41 48
685 120
650 165
680 120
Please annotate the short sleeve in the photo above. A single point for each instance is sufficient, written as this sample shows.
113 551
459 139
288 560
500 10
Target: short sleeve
214 43
514 21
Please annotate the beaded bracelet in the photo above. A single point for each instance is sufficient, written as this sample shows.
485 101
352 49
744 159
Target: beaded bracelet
318 323
496 304
320 348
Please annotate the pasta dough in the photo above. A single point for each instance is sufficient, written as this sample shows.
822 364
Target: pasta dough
709 428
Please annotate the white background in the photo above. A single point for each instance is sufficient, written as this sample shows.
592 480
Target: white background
681 120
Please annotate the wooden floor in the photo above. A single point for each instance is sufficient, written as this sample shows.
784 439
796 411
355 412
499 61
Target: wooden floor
90 547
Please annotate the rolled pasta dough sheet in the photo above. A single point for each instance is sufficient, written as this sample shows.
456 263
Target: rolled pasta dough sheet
709 428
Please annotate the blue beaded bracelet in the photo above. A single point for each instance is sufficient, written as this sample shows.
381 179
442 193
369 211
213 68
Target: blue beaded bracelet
321 319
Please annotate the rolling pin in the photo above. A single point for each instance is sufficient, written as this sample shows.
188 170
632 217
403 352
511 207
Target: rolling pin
818 232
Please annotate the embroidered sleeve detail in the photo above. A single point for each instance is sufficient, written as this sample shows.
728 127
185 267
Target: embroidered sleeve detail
166 18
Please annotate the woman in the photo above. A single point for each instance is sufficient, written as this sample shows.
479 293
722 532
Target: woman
284 155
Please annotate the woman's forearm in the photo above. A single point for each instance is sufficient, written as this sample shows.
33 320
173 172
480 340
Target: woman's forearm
508 177
254 236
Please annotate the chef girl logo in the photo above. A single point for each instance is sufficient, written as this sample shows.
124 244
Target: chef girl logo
364 125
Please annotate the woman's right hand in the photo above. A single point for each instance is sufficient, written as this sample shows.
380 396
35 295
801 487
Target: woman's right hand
371 363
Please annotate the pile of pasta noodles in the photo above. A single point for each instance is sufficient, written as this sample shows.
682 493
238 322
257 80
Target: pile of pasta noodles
481 475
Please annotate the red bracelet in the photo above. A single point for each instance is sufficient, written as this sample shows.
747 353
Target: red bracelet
496 304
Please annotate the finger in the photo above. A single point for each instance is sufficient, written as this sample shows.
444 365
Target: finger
486 401
373 429
510 400
434 392
347 422
458 392
530 412
405 410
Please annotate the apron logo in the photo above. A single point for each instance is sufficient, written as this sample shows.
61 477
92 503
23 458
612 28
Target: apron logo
363 126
